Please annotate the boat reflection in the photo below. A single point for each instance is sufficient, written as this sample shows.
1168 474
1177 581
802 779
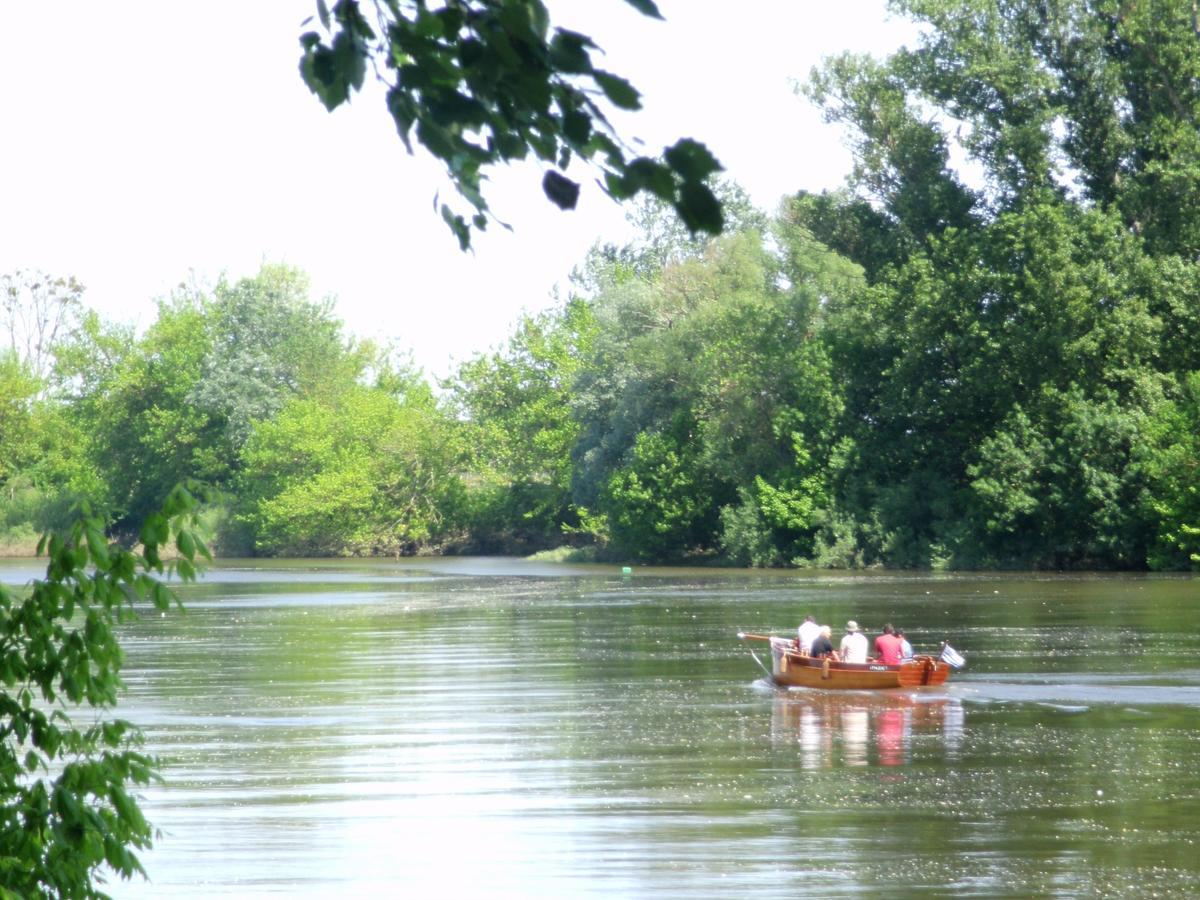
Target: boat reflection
863 729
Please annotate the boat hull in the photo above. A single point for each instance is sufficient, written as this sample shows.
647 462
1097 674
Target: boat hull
792 669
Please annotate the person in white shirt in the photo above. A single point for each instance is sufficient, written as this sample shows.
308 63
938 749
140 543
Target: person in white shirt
808 632
854 644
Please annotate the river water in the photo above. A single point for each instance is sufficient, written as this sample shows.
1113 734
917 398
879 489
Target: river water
505 729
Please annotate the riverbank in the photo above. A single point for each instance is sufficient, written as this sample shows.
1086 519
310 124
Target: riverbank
18 544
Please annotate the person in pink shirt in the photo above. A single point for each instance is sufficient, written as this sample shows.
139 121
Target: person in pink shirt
887 647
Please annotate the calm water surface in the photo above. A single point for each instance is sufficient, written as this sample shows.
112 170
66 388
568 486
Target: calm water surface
506 729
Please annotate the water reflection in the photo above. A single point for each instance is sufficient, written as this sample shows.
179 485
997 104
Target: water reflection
866 729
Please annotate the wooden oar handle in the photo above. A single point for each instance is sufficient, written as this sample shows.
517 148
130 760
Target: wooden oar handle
754 637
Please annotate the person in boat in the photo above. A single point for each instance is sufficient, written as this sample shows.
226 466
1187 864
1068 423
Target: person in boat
906 650
808 632
822 645
887 646
854 644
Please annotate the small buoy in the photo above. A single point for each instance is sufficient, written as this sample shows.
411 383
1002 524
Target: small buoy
626 570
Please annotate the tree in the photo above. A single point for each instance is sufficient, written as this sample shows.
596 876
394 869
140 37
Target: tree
371 470
658 504
483 82
517 409
65 804
38 313
142 430
181 401
44 469
662 239
1020 324
268 342
1173 468
17 388
1096 98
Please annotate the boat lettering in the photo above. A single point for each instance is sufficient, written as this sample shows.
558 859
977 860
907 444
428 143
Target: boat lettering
879 668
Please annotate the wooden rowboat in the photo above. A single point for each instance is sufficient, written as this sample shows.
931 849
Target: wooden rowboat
791 668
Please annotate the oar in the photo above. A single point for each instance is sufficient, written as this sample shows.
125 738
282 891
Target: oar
760 664
754 637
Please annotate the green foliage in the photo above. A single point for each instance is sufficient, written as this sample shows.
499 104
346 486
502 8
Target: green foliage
479 83
268 342
1101 98
1173 468
663 239
182 400
142 431
516 405
848 226
17 389
725 338
657 504
1004 366
43 466
367 471
1065 490
66 809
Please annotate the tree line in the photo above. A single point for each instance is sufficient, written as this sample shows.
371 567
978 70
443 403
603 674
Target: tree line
760 399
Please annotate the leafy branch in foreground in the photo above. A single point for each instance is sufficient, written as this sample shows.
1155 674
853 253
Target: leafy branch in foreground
482 82
65 805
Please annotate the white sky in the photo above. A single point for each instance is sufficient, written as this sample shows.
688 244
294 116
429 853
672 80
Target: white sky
143 141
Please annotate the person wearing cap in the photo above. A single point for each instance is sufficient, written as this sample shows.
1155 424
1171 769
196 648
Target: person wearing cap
854 644
808 633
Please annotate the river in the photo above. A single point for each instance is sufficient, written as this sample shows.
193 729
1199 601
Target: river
498 728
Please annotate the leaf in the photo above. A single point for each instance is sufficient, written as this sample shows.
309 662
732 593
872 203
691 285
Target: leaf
622 94
691 160
404 113
202 548
616 187
452 21
185 544
162 596
568 52
155 530
647 174
646 8
576 126
187 572
99 548
562 191
699 208
458 225
318 69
